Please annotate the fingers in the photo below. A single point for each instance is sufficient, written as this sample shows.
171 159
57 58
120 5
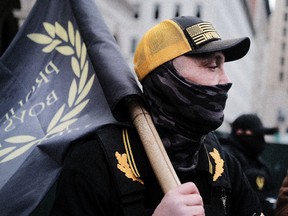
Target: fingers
192 200
187 193
188 188
182 200
196 210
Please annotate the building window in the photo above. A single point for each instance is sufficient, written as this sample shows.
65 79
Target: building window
133 45
198 11
283 46
284 31
157 11
177 10
136 8
280 115
281 76
282 61
286 3
286 17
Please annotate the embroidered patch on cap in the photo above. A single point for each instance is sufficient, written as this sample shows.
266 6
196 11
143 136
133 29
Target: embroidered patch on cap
202 33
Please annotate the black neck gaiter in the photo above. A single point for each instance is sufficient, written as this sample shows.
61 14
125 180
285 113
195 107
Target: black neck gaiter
182 106
183 113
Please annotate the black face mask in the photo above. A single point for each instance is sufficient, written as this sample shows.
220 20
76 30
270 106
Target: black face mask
252 145
182 106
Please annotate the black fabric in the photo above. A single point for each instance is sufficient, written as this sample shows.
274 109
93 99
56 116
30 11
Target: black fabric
255 168
8 23
86 185
99 39
182 151
129 191
183 113
90 183
252 145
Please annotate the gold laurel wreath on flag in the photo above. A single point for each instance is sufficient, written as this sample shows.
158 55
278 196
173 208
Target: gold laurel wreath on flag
68 44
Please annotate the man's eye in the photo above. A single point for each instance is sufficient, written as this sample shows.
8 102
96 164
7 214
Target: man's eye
213 67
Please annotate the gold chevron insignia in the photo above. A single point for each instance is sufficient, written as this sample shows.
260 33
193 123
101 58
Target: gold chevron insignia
219 169
260 181
124 166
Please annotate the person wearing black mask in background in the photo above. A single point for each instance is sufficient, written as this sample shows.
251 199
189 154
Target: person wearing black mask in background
246 142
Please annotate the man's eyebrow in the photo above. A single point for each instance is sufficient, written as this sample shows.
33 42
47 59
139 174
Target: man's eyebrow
209 58
219 57
213 57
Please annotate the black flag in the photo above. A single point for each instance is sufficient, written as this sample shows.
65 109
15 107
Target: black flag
61 78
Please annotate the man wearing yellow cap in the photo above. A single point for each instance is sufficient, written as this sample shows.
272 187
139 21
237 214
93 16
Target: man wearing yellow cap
180 64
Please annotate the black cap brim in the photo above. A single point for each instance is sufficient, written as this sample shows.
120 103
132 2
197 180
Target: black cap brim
266 131
232 49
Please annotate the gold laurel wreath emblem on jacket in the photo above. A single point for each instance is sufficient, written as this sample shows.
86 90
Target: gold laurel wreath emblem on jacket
67 43
126 162
219 168
124 166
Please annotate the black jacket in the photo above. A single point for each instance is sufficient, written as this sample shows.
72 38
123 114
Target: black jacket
256 170
108 174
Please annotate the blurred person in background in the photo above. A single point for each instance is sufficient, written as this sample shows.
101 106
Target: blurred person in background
246 142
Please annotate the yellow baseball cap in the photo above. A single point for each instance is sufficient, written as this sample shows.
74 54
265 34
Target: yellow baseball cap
183 35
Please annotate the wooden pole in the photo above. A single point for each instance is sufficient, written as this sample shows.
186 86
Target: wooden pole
153 146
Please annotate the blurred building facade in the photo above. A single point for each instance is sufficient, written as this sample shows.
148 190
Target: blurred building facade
258 84
275 94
